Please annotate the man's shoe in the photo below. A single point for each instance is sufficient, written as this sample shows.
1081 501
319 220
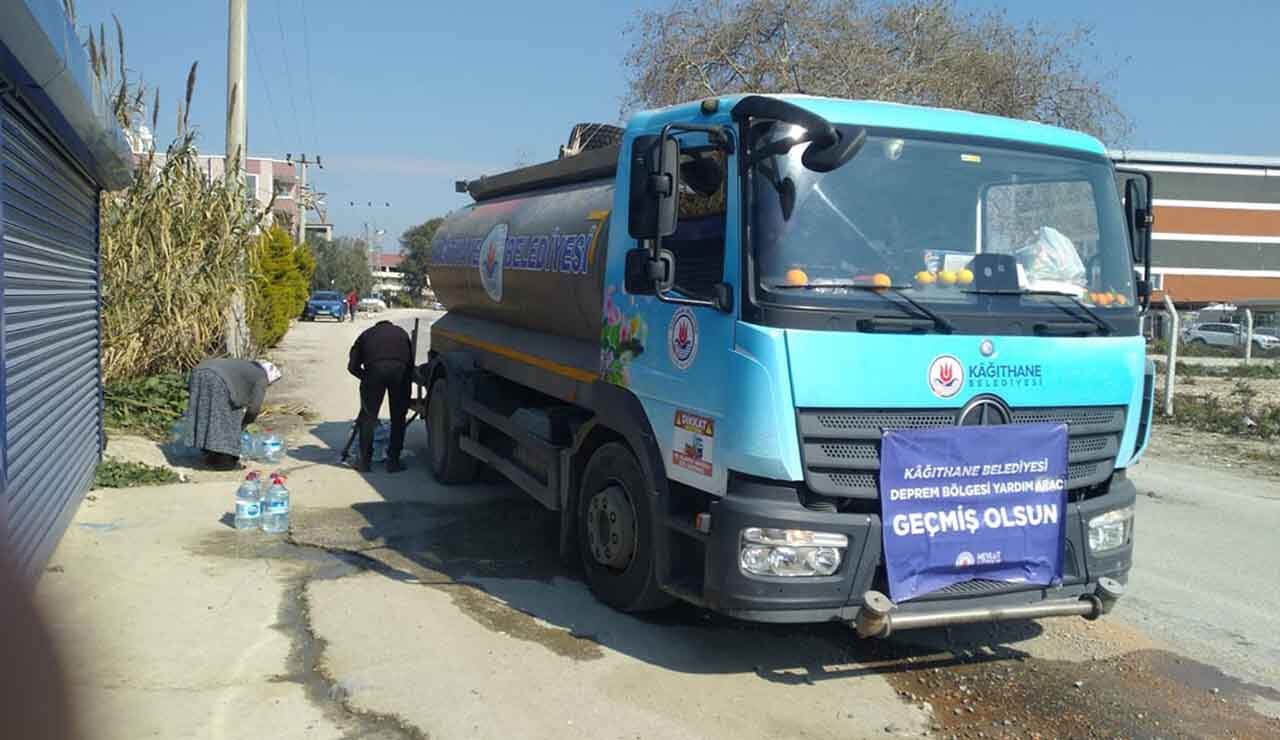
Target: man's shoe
364 466
394 465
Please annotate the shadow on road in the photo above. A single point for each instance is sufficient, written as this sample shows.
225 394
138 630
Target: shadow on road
494 539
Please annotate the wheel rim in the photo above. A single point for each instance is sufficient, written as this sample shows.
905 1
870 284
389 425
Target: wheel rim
611 528
436 430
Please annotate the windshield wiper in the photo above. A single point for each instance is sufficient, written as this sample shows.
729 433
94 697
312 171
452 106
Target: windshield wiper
939 323
1090 316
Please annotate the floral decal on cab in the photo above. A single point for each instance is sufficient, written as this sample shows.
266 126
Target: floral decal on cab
621 340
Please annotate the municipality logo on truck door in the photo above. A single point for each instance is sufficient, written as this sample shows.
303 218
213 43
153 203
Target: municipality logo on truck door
492 250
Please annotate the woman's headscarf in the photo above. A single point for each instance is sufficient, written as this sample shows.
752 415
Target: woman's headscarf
273 372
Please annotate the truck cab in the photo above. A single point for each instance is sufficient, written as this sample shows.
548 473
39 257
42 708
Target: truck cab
788 287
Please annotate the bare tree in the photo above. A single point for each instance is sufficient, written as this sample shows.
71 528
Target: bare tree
924 52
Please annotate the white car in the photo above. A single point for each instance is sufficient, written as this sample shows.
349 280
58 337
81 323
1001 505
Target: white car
372 303
1228 335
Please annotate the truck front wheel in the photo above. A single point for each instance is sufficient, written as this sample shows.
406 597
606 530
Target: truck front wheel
449 464
616 531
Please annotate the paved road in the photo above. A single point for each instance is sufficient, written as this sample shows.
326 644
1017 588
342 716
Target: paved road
1207 564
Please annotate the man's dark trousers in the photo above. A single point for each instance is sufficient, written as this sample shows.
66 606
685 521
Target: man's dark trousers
392 379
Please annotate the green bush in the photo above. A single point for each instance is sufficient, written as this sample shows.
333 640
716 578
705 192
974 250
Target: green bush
113 473
1160 347
282 272
1263 370
1239 415
147 406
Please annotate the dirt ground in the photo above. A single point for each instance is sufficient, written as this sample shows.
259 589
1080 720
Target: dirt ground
1241 451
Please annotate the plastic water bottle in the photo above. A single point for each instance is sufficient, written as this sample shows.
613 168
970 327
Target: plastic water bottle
275 512
249 503
178 430
381 437
272 447
248 446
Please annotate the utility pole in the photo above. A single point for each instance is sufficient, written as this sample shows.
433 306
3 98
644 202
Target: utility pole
237 27
375 263
302 191
237 330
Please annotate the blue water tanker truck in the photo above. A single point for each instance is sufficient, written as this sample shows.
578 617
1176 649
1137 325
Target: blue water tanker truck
799 359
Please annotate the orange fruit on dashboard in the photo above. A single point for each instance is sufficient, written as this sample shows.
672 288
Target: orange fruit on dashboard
796 276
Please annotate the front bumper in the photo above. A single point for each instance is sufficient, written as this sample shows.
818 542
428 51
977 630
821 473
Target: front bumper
841 596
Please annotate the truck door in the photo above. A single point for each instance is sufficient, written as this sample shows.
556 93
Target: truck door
673 351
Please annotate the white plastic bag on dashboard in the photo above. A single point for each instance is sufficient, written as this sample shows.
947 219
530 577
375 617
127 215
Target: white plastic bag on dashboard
1051 262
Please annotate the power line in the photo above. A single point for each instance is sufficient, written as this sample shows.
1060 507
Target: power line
311 97
266 86
288 74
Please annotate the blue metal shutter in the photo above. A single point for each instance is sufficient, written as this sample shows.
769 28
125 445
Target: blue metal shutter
51 335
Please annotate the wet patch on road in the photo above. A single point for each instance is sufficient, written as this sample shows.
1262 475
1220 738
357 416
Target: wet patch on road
304 668
304 565
1004 693
446 547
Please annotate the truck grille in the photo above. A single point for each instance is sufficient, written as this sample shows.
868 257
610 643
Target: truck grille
841 448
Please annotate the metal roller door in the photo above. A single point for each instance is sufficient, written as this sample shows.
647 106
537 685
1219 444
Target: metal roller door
50 335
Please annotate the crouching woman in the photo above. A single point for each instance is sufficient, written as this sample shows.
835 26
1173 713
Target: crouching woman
225 396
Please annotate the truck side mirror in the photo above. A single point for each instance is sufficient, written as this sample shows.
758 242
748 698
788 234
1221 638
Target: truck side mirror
1137 216
1140 222
654 201
645 275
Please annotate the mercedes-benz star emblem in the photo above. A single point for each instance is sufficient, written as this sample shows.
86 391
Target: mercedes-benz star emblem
987 348
984 411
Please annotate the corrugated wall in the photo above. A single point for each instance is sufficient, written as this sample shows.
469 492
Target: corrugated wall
51 335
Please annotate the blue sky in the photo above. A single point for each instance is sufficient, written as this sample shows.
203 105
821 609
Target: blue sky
402 97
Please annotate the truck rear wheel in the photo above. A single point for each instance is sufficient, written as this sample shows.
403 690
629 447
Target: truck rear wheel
449 464
616 531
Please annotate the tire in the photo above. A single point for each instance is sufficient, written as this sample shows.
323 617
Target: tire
613 490
449 464
1198 341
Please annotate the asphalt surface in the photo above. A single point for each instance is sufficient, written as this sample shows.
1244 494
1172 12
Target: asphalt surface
1207 570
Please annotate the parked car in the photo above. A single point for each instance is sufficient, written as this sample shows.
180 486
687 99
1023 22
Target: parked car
325 303
372 303
1228 335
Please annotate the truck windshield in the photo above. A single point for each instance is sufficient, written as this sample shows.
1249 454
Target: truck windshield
911 212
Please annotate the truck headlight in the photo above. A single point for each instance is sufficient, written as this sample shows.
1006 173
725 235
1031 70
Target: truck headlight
790 552
1111 530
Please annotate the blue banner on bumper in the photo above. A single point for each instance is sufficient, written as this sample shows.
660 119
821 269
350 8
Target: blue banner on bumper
973 502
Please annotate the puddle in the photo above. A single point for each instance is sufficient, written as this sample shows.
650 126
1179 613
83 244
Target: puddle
101 527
